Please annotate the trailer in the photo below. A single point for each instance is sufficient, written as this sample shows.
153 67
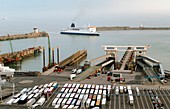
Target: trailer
23 99
55 85
10 101
50 85
31 102
30 96
23 91
103 104
57 106
16 101
64 102
137 91
35 87
131 100
121 89
17 95
88 103
41 101
92 104
55 101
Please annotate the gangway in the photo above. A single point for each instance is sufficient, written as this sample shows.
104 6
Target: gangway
154 64
126 58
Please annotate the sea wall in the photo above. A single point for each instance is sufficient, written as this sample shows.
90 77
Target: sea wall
23 36
130 28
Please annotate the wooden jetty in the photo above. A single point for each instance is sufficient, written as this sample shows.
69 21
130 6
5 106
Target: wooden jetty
19 55
24 36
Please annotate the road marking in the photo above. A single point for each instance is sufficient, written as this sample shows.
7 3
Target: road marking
162 96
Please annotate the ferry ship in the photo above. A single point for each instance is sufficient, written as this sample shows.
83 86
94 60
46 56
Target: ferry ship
90 30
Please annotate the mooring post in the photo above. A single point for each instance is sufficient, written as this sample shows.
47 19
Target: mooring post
53 55
43 59
58 54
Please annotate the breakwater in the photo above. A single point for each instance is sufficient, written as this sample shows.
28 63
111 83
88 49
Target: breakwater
130 28
23 36
19 55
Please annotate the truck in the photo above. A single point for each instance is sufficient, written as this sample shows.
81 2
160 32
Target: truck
72 76
121 89
137 91
31 102
131 100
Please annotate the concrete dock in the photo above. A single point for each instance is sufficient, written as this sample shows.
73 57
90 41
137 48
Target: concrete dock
23 36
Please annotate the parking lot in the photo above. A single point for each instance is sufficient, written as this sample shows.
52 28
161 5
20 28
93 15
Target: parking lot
143 101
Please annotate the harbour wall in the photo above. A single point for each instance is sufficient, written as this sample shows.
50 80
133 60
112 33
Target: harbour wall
23 36
104 28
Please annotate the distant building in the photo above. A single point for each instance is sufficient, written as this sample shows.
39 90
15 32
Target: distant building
36 30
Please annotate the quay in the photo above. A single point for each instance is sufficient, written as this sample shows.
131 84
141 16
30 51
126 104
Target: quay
24 36
19 55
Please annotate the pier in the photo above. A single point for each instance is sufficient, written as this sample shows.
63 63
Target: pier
23 36
19 55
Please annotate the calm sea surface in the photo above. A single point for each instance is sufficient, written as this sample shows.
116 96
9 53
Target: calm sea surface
69 44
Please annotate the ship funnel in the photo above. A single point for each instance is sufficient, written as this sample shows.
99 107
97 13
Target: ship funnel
73 25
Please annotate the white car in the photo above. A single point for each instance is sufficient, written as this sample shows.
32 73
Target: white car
79 71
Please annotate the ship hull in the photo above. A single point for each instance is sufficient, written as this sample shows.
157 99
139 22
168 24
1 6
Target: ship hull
80 33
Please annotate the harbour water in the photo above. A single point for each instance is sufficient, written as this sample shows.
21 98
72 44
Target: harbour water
69 44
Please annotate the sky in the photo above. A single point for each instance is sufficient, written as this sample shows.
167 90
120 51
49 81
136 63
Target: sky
52 15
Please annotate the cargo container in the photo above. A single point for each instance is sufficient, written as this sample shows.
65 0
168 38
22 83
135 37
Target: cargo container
35 105
63 95
64 102
98 103
81 86
83 91
69 101
78 103
65 85
91 91
55 85
16 101
35 87
36 96
92 104
51 90
23 91
77 85
17 95
75 90
88 103
71 90
130 99
30 96
137 91
69 85
90 96
59 95
31 102
36 91
76 107
72 95
74 102
45 91
129 87
96 91
67 95
29 89
55 101
41 90
62 90
99 97
94 97
93 86
70 107
121 89
23 99
85 86
79 90
89 86
74 85
41 101
117 91
101 87
50 85
10 101
103 104
81 96
87 91
97 87
60 101
57 106
40 86
45 85
77 96
65 107
100 92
